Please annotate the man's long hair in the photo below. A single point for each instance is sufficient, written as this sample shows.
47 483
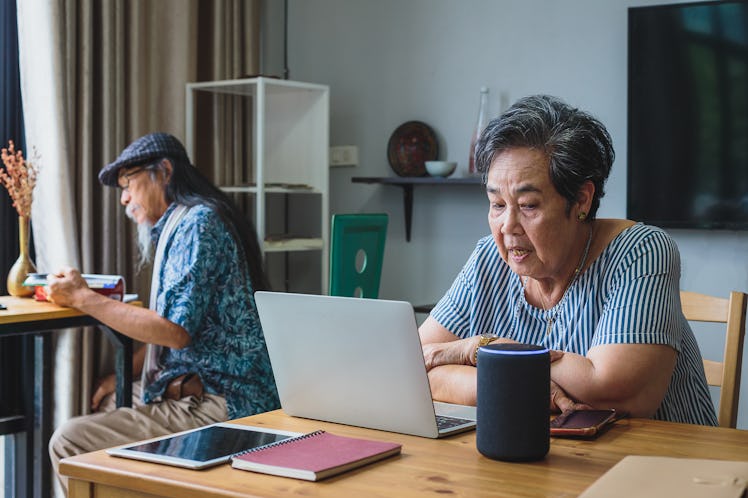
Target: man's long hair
189 187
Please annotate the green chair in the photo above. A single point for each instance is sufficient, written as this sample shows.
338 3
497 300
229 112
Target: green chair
356 254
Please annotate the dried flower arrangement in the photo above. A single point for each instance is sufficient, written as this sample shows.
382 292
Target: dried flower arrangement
19 178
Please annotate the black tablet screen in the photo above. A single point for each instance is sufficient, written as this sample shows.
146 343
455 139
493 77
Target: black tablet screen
209 443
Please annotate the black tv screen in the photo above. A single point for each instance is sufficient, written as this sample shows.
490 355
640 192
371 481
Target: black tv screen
688 115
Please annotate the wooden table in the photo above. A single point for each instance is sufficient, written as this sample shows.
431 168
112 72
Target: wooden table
37 321
427 467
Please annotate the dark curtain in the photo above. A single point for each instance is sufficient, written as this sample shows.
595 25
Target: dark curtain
11 128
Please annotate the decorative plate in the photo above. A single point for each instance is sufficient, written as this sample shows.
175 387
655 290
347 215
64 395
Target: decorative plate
410 146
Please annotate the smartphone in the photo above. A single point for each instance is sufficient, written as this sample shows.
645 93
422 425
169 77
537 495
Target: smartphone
583 423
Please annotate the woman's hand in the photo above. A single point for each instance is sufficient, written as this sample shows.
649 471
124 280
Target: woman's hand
449 353
104 387
561 402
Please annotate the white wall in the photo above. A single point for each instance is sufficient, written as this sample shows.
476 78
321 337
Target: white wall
391 61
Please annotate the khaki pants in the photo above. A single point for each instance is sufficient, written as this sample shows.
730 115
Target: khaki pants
125 425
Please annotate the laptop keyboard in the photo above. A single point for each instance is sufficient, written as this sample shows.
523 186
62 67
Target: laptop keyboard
444 422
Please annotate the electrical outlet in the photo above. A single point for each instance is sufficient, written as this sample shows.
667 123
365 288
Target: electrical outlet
344 155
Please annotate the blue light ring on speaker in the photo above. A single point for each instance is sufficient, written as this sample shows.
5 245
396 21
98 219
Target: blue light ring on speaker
513 349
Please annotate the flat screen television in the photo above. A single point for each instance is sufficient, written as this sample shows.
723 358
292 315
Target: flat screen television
688 115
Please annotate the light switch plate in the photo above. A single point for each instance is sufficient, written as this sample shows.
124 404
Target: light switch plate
344 155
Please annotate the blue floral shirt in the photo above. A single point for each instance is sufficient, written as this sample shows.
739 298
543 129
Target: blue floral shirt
205 288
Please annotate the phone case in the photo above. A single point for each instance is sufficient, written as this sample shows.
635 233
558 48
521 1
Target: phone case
582 423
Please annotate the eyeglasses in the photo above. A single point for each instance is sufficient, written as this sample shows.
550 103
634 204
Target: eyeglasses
131 174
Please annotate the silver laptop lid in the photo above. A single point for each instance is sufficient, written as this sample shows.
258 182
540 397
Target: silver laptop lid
348 360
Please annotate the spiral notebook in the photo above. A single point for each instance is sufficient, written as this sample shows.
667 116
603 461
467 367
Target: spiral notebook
314 456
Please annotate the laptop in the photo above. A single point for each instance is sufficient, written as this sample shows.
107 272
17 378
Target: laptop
354 361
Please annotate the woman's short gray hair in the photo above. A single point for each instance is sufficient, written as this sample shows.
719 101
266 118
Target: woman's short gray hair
578 146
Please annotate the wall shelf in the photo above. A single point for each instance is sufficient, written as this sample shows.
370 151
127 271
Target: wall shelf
407 183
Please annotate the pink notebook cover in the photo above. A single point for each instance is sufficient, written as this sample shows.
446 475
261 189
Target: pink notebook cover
314 456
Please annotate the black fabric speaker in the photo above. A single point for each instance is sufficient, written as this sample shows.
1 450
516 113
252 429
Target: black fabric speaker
513 401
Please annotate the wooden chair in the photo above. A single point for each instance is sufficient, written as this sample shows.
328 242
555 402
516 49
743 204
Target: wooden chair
725 374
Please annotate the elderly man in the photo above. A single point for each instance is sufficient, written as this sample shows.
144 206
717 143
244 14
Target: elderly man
205 359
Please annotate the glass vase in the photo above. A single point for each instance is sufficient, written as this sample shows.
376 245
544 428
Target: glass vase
23 265
479 125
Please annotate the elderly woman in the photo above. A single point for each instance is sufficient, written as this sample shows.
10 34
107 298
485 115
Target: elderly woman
602 293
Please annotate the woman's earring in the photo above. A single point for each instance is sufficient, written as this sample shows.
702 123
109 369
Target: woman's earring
582 216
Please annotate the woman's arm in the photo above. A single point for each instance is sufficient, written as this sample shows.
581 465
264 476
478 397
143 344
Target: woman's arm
629 377
451 374
454 384
432 331
644 307
451 366
442 347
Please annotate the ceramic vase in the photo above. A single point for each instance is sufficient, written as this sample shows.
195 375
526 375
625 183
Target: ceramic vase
23 265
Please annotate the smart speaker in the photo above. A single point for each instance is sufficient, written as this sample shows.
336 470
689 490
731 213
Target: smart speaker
513 401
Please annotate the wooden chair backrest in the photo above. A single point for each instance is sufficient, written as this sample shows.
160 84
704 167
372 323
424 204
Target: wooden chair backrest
725 374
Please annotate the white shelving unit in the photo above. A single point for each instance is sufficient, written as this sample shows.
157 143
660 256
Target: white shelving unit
290 146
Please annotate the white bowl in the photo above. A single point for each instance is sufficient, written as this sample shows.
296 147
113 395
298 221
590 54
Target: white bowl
440 168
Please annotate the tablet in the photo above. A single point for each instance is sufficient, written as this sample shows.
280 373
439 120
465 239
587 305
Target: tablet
202 447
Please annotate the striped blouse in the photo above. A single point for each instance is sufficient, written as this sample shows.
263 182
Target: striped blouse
628 295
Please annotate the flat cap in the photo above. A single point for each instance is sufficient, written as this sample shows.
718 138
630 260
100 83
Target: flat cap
142 151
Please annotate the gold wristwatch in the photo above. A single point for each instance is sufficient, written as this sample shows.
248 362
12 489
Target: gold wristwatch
485 340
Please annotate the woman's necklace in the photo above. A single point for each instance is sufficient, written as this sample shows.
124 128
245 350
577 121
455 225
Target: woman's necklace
551 317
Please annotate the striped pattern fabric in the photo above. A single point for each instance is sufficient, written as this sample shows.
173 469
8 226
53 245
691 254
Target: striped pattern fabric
629 295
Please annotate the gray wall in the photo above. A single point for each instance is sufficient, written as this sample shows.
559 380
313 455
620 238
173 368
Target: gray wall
391 61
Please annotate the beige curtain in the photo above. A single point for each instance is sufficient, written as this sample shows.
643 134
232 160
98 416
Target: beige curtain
97 74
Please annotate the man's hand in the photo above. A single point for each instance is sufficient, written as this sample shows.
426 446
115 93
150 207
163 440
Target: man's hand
104 387
65 287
